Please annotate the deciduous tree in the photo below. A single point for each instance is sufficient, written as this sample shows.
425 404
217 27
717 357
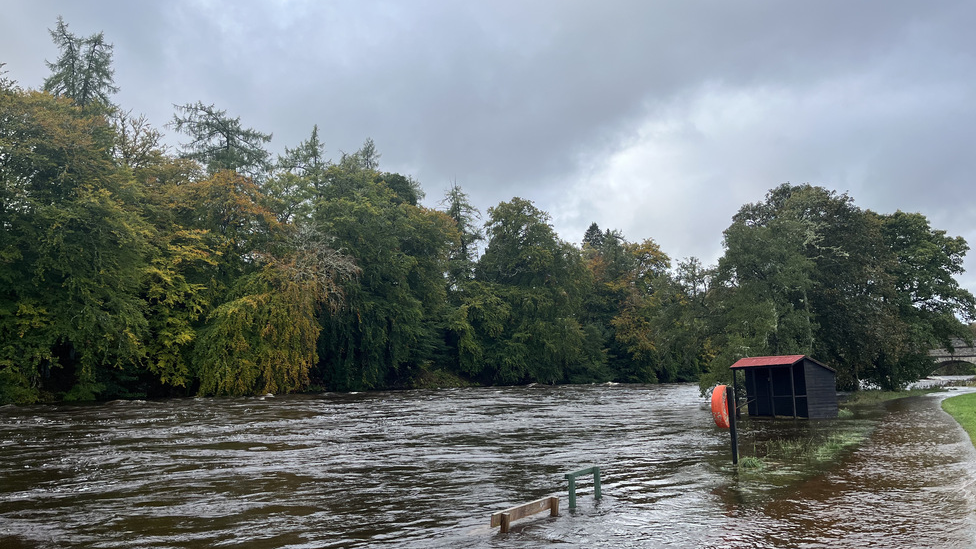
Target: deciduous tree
535 281
392 326
72 249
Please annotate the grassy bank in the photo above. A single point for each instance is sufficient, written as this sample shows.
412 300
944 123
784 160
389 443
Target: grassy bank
963 409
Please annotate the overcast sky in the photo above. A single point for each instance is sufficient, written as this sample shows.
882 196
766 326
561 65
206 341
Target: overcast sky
659 119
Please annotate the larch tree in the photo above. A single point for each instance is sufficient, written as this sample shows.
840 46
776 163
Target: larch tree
467 220
220 142
83 71
298 179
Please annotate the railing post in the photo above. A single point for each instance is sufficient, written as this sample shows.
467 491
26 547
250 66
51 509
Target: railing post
596 483
571 477
572 491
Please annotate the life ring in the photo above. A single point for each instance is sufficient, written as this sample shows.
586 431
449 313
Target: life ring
720 407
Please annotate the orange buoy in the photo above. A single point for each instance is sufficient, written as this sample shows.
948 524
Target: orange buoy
720 407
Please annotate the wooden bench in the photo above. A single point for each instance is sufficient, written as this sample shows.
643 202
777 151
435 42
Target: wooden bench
506 517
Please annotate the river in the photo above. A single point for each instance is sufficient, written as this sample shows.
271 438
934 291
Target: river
427 469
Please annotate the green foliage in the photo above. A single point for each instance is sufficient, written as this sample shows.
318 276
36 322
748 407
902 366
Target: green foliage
175 305
366 158
393 321
5 83
926 299
593 237
405 189
520 324
260 342
230 214
463 254
127 271
651 318
263 340
818 448
771 277
300 176
875 396
73 245
807 272
752 463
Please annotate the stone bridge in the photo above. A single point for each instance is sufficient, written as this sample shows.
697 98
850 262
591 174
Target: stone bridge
961 352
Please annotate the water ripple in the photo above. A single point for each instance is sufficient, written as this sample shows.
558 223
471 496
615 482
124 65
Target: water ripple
427 468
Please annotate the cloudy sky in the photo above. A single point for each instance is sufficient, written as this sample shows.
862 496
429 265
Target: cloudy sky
659 119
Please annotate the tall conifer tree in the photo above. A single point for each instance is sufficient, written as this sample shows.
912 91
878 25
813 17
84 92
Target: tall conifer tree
83 72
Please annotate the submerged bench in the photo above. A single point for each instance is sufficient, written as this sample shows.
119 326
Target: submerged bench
506 517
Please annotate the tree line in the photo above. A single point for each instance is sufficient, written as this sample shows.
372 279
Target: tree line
128 270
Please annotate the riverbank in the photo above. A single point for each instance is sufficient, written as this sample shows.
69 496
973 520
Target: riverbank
962 408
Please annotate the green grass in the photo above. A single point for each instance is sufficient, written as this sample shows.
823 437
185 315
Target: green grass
963 409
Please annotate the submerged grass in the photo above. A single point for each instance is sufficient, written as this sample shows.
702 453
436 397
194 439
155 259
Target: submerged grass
751 462
861 398
829 445
782 453
836 444
816 450
963 409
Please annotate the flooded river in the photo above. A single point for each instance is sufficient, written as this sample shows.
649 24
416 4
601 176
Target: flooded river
427 469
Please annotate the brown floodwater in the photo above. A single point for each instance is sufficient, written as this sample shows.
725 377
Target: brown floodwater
427 469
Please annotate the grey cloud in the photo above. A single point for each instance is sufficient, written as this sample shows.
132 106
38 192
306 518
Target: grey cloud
531 98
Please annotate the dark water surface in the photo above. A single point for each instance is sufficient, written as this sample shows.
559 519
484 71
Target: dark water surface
427 468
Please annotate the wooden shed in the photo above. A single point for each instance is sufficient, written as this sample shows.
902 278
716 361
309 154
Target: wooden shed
791 385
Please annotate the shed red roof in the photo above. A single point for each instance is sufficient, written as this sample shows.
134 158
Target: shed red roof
785 360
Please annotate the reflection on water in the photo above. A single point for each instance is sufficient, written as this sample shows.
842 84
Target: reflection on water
427 468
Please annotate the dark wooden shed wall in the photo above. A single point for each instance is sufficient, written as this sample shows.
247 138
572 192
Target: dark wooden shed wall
812 392
821 391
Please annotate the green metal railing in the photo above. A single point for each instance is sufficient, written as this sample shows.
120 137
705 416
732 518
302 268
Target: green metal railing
571 477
